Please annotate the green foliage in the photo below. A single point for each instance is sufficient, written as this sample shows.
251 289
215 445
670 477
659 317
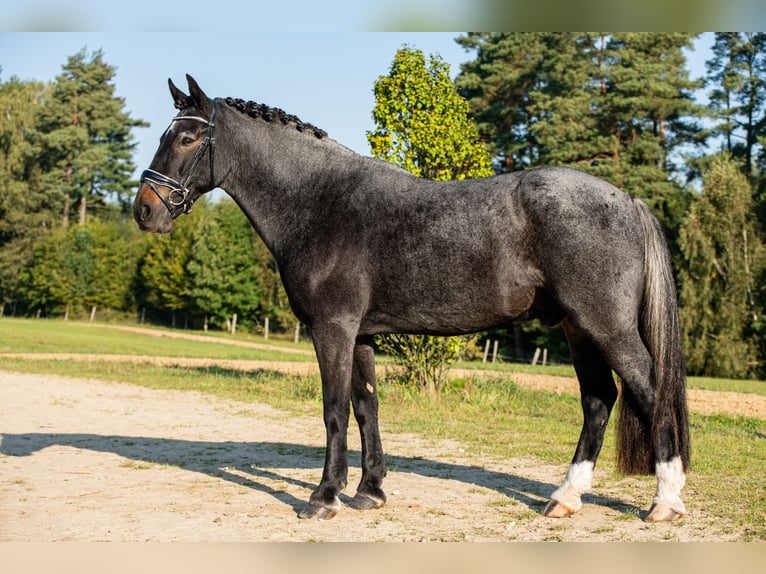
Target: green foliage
423 127
422 122
213 265
85 266
222 266
723 259
163 270
27 213
424 360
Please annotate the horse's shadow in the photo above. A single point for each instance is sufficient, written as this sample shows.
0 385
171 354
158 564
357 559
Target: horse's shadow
244 463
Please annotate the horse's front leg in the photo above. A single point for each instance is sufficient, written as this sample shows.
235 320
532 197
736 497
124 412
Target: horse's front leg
364 397
334 346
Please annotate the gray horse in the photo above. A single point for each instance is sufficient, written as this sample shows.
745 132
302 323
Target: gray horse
364 247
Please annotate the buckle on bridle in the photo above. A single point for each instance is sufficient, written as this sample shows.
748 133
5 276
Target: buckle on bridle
178 196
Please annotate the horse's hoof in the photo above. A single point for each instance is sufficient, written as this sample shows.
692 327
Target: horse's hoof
662 513
320 511
365 502
556 509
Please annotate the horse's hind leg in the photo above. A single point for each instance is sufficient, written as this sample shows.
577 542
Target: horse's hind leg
598 394
364 398
638 451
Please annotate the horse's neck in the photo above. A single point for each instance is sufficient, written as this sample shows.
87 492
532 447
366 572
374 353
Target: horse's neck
279 177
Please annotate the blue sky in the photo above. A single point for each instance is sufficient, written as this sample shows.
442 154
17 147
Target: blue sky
324 78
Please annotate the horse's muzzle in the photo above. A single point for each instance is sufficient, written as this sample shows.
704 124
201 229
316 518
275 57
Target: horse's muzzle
150 213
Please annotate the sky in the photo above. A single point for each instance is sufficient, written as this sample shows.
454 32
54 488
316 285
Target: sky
325 78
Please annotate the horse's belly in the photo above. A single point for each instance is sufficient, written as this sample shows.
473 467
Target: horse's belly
446 309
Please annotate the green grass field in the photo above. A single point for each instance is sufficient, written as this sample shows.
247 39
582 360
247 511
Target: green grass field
729 452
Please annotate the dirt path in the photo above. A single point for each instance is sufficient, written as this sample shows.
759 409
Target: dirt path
89 460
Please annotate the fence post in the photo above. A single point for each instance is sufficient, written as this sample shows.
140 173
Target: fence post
494 351
486 351
266 328
92 313
545 357
143 315
234 324
297 332
536 357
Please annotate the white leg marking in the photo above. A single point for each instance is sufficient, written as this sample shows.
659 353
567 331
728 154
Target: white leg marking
670 480
577 482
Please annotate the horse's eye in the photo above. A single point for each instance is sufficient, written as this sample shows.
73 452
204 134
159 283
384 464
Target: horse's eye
186 141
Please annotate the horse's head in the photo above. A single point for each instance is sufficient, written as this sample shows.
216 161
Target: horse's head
177 175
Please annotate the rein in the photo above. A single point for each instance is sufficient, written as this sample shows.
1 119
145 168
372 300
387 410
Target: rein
179 194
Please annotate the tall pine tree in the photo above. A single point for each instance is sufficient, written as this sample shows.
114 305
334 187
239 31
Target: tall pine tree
498 85
737 78
617 105
87 136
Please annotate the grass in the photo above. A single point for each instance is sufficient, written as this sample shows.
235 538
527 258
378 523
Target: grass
58 336
489 416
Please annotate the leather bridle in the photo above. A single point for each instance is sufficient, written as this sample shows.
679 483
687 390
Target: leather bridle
179 198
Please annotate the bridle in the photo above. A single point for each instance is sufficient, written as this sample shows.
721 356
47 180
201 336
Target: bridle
179 195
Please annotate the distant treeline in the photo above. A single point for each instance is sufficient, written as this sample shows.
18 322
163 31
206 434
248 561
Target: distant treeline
621 106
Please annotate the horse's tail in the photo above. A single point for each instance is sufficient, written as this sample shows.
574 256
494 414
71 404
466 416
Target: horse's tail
661 333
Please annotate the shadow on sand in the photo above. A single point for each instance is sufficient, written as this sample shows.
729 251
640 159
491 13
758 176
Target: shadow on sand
250 463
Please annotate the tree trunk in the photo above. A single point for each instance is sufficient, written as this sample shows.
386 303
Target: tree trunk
65 217
82 210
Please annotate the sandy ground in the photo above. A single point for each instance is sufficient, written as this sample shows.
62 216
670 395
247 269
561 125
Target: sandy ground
84 460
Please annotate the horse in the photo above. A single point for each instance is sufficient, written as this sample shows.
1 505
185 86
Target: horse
365 248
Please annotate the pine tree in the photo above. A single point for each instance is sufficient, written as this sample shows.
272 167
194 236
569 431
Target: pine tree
498 84
649 114
722 262
617 105
87 136
737 76
423 126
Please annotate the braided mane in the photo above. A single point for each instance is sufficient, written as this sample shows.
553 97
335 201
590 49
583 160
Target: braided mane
256 110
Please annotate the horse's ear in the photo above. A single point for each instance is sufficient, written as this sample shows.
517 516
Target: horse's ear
180 100
198 97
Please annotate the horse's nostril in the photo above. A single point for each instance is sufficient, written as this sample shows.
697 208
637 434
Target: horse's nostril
145 211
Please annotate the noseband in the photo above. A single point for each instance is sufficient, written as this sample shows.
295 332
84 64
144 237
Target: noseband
179 194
